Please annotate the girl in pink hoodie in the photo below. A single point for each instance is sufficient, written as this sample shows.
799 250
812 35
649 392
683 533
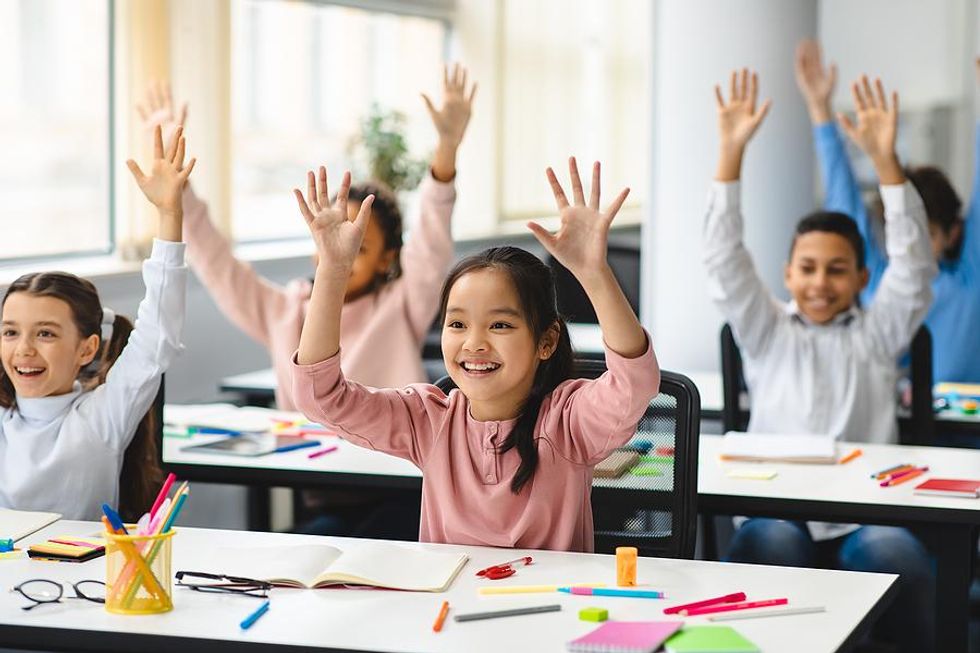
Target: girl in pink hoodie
507 457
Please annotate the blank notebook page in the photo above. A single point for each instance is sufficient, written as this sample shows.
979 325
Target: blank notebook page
625 637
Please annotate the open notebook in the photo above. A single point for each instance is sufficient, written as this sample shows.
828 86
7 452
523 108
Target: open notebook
783 448
391 566
17 524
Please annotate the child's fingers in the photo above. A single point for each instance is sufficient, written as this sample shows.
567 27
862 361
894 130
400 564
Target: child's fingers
743 89
428 105
894 111
469 100
445 76
846 125
577 193
311 191
183 114
323 197
556 188
464 77
364 214
157 143
544 236
880 90
869 96
179 157
719 98
594 198
761 113
732 86
753 90
172 146
856 94
343 193
137 172
617 204
186 172
303 208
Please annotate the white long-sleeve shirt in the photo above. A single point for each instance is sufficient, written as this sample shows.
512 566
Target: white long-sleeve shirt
64 453
836 379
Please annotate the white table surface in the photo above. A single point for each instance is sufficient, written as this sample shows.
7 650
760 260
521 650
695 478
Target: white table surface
402 621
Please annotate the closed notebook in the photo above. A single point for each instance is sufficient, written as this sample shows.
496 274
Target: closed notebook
949 487
16 524
391 566
709 639
785 448
616 464
625 637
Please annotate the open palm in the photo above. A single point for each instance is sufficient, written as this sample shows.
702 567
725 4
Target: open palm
877 122
580 242
453 116
738 118
168 174
158 109
815 82
337 239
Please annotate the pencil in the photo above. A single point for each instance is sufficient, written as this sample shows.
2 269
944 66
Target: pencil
851 456
905 477
474 616
776 612
443 611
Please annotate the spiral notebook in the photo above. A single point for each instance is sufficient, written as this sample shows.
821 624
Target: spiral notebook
625 637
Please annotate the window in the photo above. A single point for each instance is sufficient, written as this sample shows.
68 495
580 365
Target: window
55 127
303 75
575 82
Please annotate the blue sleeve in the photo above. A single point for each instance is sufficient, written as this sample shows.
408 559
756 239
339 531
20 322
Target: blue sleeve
844 195
971 237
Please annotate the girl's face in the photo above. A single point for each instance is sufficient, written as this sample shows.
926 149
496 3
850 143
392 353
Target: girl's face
41 349
488 348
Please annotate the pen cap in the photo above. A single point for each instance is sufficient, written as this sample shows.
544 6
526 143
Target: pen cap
626 566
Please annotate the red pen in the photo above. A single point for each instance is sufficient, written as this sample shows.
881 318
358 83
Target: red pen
734 606
907 476
325 450
728 598
503 570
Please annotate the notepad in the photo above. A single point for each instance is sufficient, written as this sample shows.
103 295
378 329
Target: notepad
247 419
709 639
616 464
949 487
68 548
625 637
771 447
17 524
391 566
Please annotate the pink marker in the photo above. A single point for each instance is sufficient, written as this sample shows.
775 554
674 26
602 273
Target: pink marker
323 452
728 607
728 598
167 484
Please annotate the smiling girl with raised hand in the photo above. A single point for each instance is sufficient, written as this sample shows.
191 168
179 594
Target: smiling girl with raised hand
506 458
77 380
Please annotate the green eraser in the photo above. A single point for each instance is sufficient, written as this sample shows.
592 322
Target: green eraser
646 470
593 614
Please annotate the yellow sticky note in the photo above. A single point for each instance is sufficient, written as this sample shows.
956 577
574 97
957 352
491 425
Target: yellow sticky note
16 554
753 474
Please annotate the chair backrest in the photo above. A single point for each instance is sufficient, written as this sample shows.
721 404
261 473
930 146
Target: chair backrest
654 506
574 304
148 464
916 426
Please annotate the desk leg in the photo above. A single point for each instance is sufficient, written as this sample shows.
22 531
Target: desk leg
259 509
955 548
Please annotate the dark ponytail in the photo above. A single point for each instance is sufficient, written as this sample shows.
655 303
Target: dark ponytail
535 285
141 473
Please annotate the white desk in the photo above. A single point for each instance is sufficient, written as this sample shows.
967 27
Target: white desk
380 620
846 493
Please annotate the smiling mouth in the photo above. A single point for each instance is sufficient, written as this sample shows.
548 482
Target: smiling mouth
479 369
29 372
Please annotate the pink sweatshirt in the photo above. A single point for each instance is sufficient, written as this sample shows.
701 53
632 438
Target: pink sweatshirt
466 495
382 332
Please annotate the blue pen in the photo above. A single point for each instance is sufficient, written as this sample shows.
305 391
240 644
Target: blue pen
601 591
298 445
252 618
211 430
114 519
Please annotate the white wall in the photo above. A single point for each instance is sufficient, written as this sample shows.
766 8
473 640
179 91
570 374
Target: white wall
697 43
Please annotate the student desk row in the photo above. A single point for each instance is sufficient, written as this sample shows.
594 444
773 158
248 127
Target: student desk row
300 621
817 492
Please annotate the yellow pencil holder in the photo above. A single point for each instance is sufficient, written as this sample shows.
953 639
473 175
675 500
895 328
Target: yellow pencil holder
137 573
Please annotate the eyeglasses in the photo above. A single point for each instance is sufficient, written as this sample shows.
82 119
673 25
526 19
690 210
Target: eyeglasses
41 591
228 584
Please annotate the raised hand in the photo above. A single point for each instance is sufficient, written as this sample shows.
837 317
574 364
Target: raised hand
815 82
165 183
450 119
876 128
737 121
158 109
580 242
337 238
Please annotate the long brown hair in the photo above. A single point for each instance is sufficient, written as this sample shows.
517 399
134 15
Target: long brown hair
535 285
141 473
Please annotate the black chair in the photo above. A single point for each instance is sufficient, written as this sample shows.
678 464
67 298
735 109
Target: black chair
574 304
144 457
656 514
916 425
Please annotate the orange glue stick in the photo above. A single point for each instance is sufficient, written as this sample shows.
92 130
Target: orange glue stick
626 566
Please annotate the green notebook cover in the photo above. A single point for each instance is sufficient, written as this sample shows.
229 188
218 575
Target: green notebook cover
709 639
